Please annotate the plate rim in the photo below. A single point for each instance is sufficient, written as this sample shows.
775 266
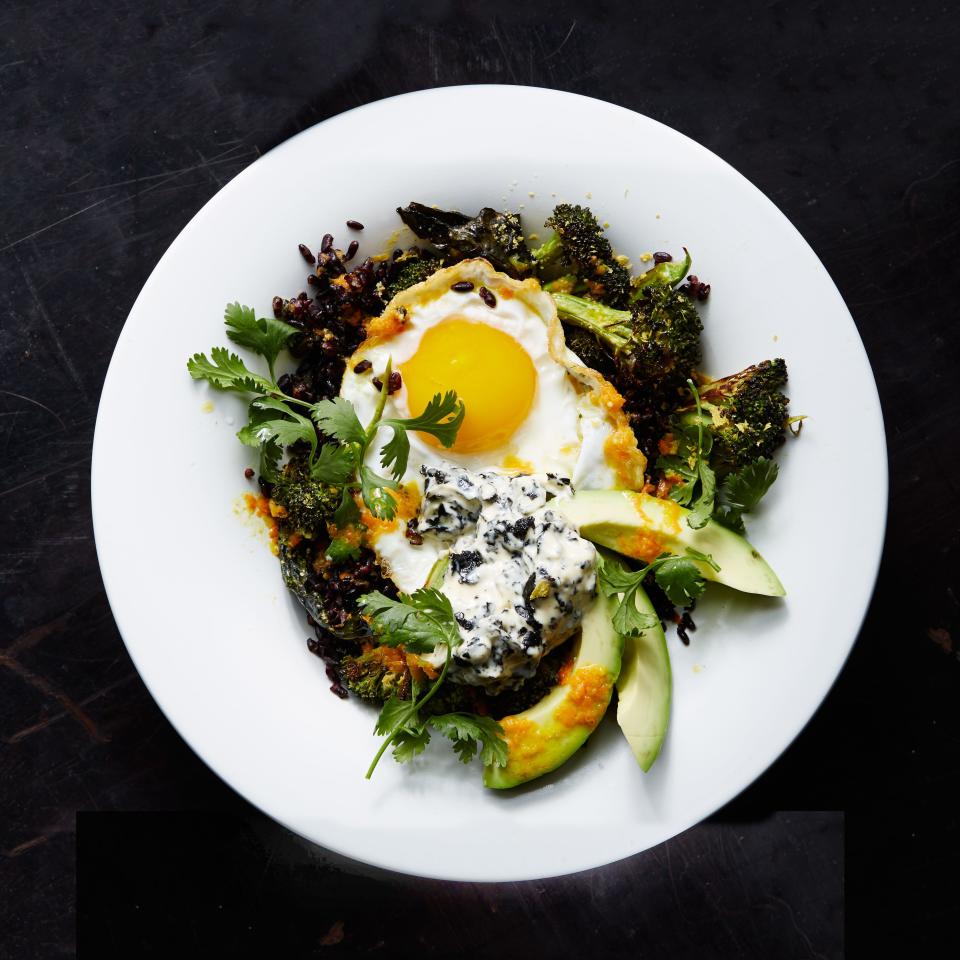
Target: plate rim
868 581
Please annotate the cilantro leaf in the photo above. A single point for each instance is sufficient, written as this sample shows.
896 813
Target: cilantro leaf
375 491
627 620
420 622
337 419
740 492
270 449
399 721
469 731
347 514
270 433
679 579
226 371
266 336
287 429
395 453
744 489
270 454
433 420
616 581
702 507
697 483
333 464
730 519
396 714
340 550
408 743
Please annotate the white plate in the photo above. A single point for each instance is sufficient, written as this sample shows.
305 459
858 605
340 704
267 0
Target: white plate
199 599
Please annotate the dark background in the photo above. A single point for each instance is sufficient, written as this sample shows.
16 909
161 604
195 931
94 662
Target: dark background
119 121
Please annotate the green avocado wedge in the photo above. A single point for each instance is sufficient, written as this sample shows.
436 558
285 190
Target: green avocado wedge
640 526
547 734
644 687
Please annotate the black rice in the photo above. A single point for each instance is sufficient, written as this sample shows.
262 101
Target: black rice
487 297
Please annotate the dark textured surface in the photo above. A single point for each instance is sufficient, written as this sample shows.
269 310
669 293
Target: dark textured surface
120 121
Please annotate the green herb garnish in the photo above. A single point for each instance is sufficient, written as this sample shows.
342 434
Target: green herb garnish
421 622
698 482
275 419
740 492
678 577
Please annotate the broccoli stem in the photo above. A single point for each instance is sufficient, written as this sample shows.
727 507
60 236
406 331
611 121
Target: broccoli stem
548 250
612 327
665 274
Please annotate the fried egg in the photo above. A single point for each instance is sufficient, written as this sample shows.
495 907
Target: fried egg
531 405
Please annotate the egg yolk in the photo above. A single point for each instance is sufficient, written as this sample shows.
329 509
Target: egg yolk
490 371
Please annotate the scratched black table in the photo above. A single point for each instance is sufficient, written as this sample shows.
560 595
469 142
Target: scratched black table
118 125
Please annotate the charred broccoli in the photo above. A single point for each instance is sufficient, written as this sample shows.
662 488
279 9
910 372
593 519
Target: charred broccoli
579 241
496 236
409 268
306 503
654 346
377 674
748 414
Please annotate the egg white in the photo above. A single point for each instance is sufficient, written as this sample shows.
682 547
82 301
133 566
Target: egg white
565 431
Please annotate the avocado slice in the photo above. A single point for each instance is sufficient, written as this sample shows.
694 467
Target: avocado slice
644 686
638 525
547 734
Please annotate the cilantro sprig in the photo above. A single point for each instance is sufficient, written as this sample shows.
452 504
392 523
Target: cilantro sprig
264 335
740 492
276 420
737 494
678 577
421 622
698 482
337 419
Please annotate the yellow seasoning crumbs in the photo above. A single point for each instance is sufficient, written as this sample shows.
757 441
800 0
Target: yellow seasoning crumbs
206 406
260 506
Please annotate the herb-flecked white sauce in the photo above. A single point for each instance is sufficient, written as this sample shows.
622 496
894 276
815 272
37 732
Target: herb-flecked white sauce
519 577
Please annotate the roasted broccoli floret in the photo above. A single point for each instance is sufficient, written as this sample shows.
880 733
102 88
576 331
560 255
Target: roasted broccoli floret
377 674
748 415
306 503
579 241
496 236
410 268
654 347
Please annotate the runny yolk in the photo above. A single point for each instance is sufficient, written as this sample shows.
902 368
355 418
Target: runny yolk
490 371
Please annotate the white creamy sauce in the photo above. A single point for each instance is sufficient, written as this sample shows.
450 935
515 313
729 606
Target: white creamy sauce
519 577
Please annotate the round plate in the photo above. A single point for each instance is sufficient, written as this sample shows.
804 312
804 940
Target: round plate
198 596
